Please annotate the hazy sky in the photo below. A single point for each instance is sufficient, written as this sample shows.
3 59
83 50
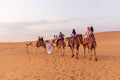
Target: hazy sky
24 20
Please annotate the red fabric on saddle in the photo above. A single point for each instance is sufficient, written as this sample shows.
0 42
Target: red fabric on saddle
61 36
61 43
89 40
75 41
38 44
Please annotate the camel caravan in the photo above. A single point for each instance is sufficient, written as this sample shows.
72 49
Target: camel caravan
59 43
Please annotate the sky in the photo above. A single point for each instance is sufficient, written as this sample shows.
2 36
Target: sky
25 20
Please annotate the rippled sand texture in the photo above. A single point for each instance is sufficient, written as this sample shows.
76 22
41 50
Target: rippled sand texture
16 64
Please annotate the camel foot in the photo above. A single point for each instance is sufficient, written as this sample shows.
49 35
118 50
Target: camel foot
77 58
72 55
96 59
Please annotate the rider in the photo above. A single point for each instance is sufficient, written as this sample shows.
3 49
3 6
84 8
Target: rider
88 32
61 37
55 39
38 41
39 38
91 35
42 39
73 33
86 36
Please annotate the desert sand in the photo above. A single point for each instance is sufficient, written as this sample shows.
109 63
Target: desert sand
16 64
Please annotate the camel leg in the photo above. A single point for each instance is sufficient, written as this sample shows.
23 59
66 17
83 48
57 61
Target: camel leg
62 50
91 54
27 51
77 52
95 54
62 53
89 51
58 48
53 49
84 51
72 52
44 48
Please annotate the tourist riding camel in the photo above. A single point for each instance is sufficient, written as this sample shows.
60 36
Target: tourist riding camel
61 37
90 42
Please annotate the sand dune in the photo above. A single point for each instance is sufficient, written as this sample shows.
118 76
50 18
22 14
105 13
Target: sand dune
16 64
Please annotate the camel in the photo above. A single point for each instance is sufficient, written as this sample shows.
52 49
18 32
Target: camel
27 46
61 46
91 48
74 44
41 44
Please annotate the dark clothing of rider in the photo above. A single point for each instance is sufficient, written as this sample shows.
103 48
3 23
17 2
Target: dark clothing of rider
42 39
73 33
91 35
61 36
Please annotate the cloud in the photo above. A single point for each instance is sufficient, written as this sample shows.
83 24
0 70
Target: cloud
44 24
18 31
